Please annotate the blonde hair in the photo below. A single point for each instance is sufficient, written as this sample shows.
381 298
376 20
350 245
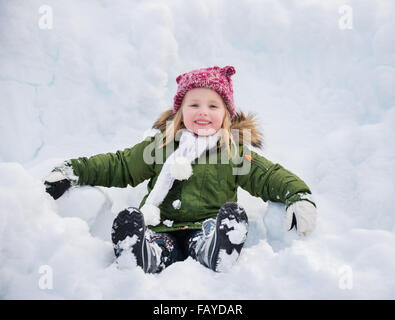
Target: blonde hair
226 139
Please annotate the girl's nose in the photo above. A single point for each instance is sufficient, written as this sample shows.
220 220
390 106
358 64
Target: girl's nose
203 111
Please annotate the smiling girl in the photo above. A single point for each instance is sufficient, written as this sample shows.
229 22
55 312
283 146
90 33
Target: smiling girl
191 209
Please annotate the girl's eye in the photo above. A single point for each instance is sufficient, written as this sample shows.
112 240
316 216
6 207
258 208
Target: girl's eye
196 105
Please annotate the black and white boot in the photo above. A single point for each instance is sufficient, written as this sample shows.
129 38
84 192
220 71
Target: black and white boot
220 244
129 233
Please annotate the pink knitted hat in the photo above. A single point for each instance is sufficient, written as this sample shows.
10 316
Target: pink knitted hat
215 78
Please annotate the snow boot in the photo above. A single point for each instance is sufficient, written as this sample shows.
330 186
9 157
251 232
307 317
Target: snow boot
153 252
219 244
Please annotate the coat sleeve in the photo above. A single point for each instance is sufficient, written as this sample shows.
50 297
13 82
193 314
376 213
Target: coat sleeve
127 167
269 181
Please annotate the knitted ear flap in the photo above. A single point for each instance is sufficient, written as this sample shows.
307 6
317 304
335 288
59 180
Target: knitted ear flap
179 79
228 71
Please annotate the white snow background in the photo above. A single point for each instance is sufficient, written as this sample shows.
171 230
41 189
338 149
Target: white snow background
97 80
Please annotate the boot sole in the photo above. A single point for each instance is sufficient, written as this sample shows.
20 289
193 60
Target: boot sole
137 228
221 241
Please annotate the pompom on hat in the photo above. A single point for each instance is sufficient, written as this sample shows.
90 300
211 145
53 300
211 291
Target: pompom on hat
215 78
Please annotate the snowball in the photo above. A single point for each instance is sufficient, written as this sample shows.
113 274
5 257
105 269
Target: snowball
168 223
176 204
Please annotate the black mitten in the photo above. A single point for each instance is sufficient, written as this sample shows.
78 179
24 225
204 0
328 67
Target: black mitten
57 188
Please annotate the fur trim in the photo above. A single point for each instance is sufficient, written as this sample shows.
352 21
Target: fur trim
240 121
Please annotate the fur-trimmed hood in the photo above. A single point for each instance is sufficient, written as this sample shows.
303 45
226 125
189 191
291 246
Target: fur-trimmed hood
240 122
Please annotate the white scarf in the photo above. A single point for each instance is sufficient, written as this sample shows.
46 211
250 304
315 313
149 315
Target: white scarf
177 166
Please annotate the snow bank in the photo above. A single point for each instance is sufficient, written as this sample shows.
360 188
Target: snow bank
95 82
35 236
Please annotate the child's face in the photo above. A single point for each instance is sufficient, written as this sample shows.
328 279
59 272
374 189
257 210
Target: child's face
203 111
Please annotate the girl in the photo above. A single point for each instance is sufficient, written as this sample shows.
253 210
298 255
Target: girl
194 164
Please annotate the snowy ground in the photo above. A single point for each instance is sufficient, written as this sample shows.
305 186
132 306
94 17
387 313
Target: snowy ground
97 79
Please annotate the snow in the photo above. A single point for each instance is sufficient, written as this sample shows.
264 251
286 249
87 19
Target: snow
168 223
55 176
238 230
226 261
96 81
176 204
127 260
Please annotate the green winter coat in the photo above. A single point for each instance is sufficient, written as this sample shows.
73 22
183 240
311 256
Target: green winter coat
209 187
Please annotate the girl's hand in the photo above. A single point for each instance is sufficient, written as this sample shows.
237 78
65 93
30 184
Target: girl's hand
56 184
301 214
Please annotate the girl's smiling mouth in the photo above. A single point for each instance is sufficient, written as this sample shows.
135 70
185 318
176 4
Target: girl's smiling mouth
202 122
